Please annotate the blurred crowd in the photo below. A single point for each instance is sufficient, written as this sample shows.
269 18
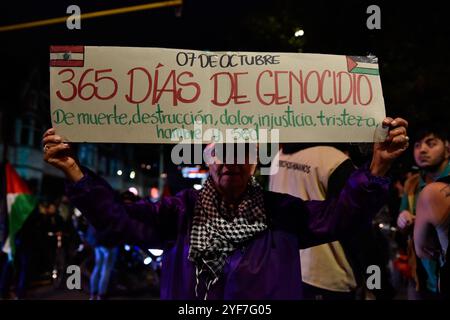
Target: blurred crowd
55 236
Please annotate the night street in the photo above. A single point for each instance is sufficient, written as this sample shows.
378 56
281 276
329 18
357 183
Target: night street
202 150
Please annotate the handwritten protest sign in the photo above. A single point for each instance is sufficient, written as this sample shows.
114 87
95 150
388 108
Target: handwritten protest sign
153 95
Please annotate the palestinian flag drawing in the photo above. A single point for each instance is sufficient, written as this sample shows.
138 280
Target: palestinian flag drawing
363 65
20 203
66 56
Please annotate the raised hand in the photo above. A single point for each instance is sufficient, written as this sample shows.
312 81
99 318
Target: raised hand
59 154
397 141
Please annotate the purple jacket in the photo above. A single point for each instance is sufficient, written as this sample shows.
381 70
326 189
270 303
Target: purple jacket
267 267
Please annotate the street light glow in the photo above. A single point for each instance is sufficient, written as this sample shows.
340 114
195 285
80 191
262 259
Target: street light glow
299 33
155 252
133 190
197 186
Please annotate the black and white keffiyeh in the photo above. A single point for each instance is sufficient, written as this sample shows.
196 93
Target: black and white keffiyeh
216 232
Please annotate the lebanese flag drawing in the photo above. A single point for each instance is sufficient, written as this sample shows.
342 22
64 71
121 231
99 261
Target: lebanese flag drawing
66 56
363 65
20 204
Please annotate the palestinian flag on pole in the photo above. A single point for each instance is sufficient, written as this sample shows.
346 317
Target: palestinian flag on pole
20 203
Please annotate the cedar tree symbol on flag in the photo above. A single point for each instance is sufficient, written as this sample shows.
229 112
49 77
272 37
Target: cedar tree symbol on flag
66 56
363 65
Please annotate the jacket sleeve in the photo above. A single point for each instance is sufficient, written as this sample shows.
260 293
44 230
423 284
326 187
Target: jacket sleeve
340 216
337 179
142 223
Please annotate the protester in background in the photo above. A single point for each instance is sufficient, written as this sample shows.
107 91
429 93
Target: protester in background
317 173
105 258
128 197
18 246
65 210
52 227
332 271
17 273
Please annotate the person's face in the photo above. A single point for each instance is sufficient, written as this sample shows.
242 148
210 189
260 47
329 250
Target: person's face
231 178
430 152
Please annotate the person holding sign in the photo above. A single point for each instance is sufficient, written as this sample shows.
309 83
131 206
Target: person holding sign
231 239
316 172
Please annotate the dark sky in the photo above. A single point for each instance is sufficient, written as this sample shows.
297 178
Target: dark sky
331 26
